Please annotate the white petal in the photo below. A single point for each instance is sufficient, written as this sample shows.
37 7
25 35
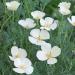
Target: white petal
7 3
28 23
44 34
52 61
29 70
56 51
42 22
22 61
46 47
64 11
22 23
13 5
41 55
49 20
11 58
69 20
22 52
37 14
32 40
18 70
73 19
35 33
14 50
54 25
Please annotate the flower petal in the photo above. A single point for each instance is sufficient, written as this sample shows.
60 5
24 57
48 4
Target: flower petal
22 61
56 51
37 14
29 70
32 40
54 25
18 70
35 33
13 5
27 23
52 61
41 55
46 47
22 53
73 19
11 58
22 23
44 35
14 50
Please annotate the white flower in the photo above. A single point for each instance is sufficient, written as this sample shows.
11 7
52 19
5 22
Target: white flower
17 53
48 23
64 4
38 36
37 14
23 65
13 5
27 23
64 8
48 53
72 20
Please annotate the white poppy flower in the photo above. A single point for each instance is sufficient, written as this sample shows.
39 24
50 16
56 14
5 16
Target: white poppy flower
38 36
27 23
23 65
64 11
17 53
37 14
13 5
64 8
48 53
64 4
72 20
48 23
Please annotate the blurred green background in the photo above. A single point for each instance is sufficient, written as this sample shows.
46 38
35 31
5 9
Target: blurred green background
11 32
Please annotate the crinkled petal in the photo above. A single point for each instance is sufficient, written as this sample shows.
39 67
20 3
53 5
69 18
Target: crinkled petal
49 20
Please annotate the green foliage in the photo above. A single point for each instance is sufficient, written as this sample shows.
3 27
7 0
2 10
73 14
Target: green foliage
63 36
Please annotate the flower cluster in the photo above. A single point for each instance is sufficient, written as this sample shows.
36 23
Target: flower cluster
21 62
38 36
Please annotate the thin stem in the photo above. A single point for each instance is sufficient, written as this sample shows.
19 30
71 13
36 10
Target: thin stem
13 16
5 23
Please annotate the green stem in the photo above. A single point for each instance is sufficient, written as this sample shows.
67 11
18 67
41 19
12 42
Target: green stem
5 23
13 16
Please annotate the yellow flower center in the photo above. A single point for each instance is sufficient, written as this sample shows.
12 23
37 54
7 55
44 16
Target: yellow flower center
22 66
39 39
74 23
18 55
48 55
